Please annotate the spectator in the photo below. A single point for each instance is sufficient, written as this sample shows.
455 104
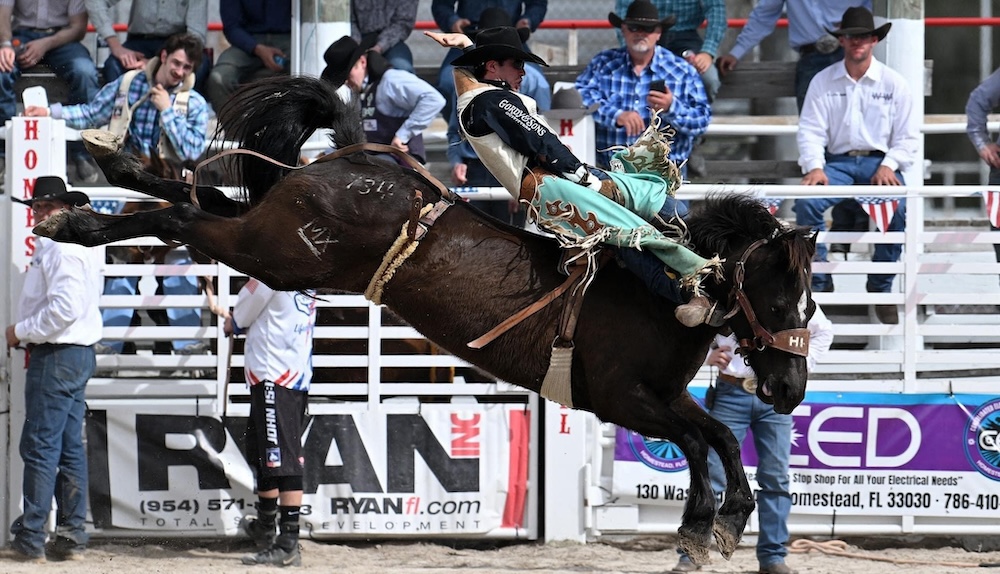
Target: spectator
161 118
396 106
59 320
511 138
51 37
260 32
809 23
461 16
732 401
984 99
150 23
278 369
683 35
385 25
154 109
857 127
620 81
466 168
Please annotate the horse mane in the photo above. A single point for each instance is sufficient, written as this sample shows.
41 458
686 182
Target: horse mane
274 117
727 222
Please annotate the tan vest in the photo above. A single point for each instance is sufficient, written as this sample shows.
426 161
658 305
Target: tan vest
121 115
505 163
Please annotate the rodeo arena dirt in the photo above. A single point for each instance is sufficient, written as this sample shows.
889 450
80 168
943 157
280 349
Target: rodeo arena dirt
639 555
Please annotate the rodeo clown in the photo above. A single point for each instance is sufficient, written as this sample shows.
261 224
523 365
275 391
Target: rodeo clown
579 204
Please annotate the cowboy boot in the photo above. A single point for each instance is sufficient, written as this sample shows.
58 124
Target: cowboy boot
700 311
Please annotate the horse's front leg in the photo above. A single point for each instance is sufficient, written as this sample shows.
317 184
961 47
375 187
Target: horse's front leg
738 503
124 170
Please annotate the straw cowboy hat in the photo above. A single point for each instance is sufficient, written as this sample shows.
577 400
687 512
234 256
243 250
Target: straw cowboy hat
567 104
500 43
858 21
341 56
641 13
52 188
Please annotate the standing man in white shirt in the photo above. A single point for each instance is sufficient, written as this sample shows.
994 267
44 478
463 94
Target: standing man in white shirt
733 401
278 368
857 128
808 25
58 320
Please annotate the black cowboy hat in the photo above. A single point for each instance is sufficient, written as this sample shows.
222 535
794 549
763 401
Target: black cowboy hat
641 13
52 188
494 17
858 21
500 43
341 56
567 104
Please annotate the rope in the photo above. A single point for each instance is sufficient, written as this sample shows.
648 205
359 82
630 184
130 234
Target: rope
841 548
400 250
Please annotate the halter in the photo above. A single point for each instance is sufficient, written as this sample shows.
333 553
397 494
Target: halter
793 341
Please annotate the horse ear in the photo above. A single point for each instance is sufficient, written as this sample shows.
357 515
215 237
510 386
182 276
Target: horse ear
812 241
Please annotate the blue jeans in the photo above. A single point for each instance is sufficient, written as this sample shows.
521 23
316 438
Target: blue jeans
772 437
846 170
648 267
682 40
150 47
55 460
808 66
234 67
171 285
71 62
400 57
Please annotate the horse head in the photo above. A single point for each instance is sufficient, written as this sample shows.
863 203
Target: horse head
766 288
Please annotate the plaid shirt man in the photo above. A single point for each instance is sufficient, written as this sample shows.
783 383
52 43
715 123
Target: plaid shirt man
187 134
609 81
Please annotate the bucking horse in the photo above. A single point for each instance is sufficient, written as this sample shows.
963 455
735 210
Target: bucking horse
356 223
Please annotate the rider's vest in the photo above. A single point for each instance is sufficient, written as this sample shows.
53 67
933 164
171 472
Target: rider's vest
381 128
506 164
121 115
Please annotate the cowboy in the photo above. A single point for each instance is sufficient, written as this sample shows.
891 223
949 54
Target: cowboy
857 128
396 106
58 319
628 82
580 205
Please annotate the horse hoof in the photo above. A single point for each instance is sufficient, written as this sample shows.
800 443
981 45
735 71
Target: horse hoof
697 550
100 142
51 226
727 537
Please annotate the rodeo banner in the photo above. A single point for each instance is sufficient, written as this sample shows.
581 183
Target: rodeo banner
157 466
855 453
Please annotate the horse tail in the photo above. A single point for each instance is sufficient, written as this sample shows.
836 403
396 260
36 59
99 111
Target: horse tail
274 117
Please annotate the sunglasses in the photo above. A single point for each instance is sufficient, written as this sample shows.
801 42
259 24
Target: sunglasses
641 28
858 37
516 64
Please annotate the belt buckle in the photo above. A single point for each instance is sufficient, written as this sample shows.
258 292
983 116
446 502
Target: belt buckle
858 153
749 385
827 44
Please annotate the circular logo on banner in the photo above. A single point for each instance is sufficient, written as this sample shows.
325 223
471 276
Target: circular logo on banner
982 440
657 454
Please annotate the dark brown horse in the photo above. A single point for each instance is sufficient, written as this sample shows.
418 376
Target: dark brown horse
331 223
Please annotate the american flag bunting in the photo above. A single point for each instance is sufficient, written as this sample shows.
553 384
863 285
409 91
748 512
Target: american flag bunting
880 209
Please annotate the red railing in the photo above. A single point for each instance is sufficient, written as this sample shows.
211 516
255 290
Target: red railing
603 24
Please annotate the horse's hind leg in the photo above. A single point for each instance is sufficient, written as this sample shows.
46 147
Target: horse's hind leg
123 170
